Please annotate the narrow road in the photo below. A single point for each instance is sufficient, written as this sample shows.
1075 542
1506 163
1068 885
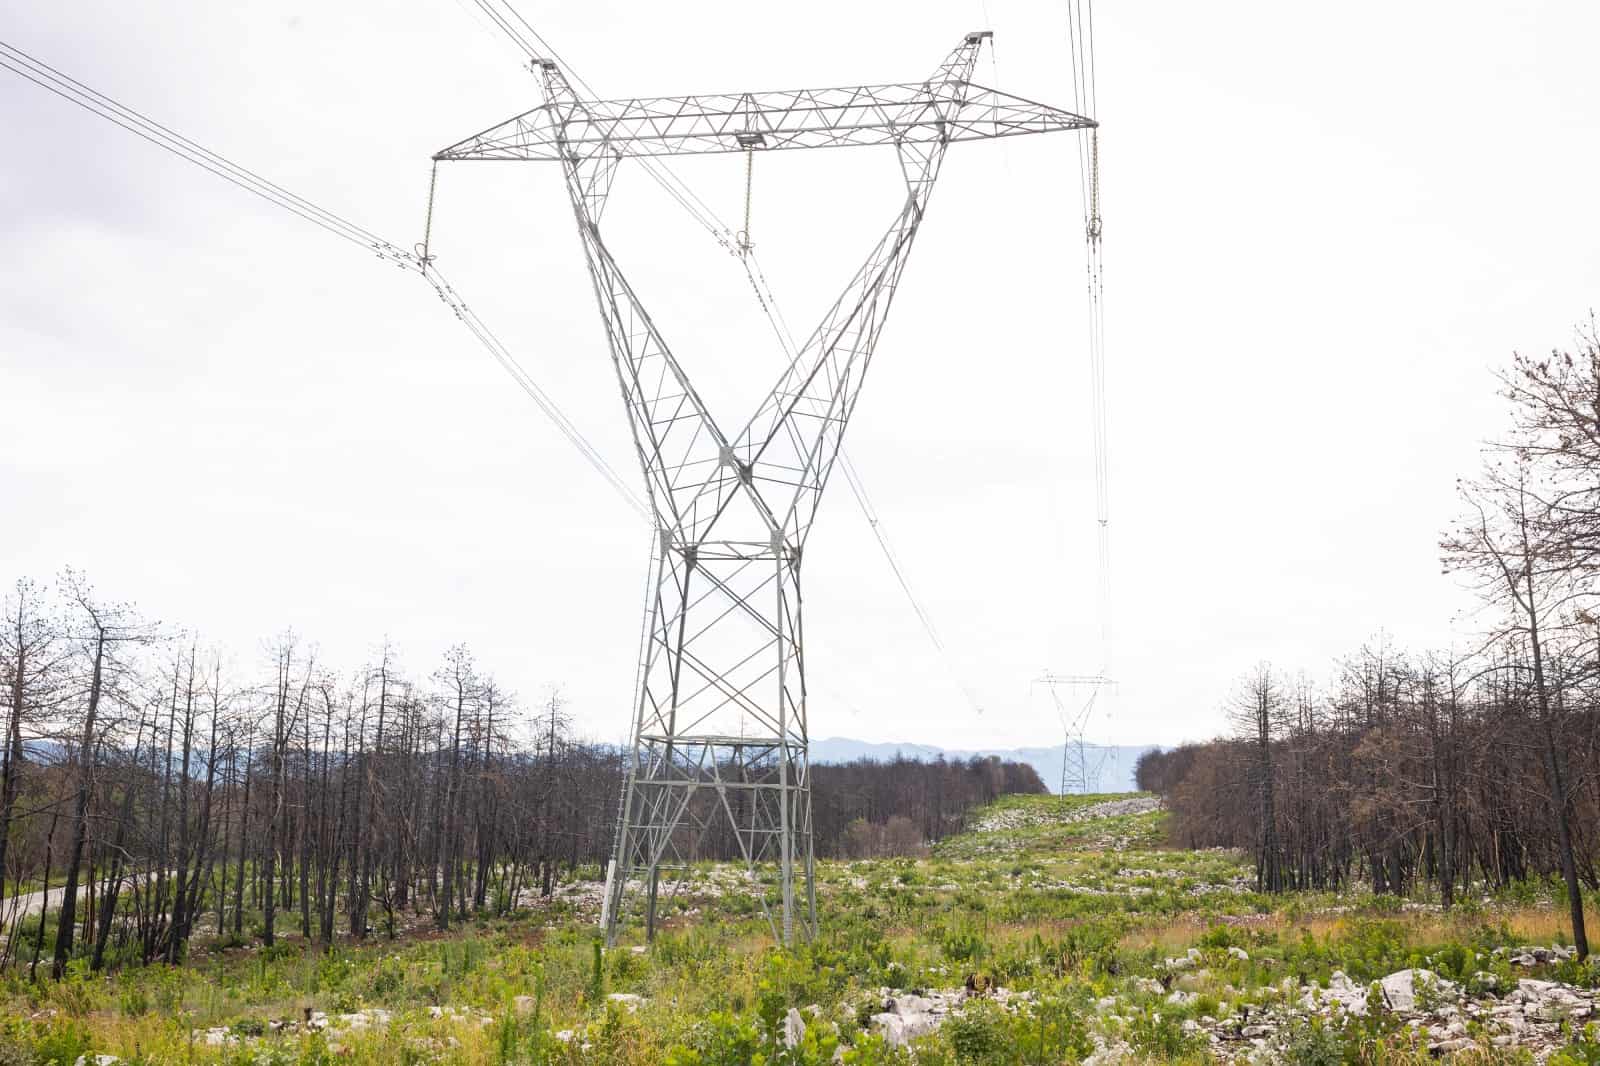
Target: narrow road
31 902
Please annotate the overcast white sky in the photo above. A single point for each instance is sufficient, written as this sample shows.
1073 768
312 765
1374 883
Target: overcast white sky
1325 227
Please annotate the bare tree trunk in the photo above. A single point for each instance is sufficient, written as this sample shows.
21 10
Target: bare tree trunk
113 882
244 834
305 826
1553 758
229 783
24 664
44 899
80 816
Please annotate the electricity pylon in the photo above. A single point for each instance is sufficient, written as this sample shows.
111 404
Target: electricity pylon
719 734
1080 774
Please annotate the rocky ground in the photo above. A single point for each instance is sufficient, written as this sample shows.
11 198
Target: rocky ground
1532 1014
1023 817
1071 911
1449 1016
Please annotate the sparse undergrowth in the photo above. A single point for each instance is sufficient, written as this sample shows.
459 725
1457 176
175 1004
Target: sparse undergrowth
1060 929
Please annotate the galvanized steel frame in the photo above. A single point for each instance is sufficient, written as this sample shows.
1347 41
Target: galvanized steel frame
720 736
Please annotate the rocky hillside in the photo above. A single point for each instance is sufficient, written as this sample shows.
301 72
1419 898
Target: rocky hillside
1057 930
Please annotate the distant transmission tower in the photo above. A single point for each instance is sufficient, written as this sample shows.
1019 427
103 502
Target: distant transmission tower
719 736
1080 770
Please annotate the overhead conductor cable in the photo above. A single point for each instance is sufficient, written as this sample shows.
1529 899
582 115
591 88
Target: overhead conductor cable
97 103
1080 33
738 244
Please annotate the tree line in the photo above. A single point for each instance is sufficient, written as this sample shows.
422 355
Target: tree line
150 792
868 809
1442 769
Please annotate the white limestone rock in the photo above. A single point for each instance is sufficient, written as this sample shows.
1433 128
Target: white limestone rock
794 1028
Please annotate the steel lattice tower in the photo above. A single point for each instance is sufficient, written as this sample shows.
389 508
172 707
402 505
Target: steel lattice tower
1080 774
719 733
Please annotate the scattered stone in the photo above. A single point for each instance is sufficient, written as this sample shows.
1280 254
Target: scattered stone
372 1017
1400 988
1551 1001
909 1004
1023 817
1107 1054
899 1029
794 1028
1531 955
631 1000
907 1016
1345 993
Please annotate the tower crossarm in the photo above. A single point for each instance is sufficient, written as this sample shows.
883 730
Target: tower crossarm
688 464
720 742
790 443
940 110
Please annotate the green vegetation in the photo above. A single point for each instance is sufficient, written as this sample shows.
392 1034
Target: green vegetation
1054 931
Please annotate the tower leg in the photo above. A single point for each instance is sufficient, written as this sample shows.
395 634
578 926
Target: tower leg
717 766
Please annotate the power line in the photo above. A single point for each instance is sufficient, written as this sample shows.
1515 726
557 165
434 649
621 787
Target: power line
540 397
735 510
1085 95
102 106
765 297
74 91
659 171
1076 770
99 104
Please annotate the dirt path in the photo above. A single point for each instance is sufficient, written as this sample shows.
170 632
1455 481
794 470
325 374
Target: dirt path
30 903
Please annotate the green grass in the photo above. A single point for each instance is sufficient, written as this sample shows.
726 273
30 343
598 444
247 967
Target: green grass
1071 914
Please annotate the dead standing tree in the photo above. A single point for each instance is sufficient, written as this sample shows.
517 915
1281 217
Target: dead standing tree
1259 713
1515 548
459 680
1555 403
553 727
104 636
288 704
32 660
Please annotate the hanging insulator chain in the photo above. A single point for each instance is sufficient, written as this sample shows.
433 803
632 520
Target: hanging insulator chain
749 181
1094 186
427 225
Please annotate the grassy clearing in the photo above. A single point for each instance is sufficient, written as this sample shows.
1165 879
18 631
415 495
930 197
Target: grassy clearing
1085 922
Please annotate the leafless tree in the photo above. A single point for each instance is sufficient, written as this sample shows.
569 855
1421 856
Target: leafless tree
1260 714
1518 552
104 635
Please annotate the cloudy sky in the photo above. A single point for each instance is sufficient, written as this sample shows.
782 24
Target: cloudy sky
1325 228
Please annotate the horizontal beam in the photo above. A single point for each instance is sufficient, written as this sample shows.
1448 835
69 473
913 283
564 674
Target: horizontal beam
683 741
801 118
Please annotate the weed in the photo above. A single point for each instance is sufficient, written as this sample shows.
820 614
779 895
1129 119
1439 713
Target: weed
1314 1042
597 973
1582 1049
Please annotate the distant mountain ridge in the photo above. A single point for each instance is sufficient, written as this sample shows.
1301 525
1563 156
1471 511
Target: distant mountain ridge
1116 773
